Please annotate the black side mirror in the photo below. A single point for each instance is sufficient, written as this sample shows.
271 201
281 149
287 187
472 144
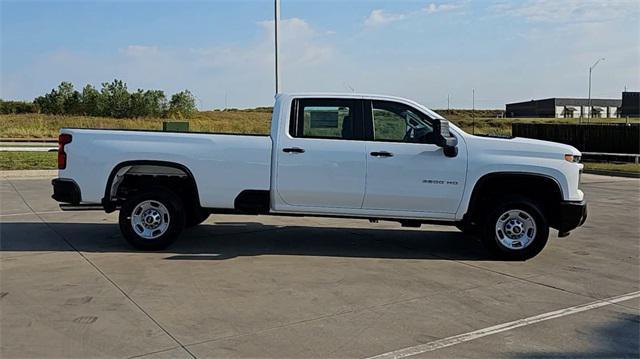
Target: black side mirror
444 138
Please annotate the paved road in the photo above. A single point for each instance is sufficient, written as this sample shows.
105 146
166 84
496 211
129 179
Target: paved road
305 287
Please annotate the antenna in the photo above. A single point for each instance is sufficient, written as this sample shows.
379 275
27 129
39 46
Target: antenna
350 87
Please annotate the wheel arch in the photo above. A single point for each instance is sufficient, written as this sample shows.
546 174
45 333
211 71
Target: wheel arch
121 169
533 185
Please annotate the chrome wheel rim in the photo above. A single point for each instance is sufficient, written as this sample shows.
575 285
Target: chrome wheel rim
515 229
150 219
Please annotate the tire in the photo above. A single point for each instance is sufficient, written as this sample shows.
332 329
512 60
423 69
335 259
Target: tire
515 229
157 221
195 216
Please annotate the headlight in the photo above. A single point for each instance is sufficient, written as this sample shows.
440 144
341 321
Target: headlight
572 158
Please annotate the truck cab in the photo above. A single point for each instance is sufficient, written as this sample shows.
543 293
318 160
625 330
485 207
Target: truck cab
364 156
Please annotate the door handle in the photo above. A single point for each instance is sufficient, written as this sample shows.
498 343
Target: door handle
293 150
381 154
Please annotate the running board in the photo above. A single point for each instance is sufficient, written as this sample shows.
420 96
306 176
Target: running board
81 207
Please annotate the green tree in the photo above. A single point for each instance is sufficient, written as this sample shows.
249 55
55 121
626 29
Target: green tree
72 104
150 103
64 100
46 103
113 100
156 103
138 107
116 99
182 105
91 101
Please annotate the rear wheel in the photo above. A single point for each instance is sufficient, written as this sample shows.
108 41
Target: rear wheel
153 219
515 229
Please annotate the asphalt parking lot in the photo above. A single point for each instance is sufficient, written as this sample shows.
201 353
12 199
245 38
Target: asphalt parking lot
246 286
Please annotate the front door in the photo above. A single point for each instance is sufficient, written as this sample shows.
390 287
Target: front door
321 163
406 171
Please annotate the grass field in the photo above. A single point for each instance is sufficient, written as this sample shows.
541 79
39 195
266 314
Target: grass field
242 121
613 167
48 126
28 160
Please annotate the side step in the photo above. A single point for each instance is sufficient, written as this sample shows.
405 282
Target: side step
81 207
411 224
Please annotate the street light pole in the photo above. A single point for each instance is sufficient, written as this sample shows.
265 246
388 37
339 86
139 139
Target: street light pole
276 15
590 71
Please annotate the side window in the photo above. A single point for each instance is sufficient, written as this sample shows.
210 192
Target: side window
399 123
324 118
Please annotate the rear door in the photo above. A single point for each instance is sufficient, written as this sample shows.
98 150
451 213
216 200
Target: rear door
321 161
406 171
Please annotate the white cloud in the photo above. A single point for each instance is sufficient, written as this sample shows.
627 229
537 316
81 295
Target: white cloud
300 42
380 17
570 11
434 8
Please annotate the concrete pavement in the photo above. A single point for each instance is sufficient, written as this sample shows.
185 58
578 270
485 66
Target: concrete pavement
246 286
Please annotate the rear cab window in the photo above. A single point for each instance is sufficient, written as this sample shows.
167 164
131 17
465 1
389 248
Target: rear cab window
326 118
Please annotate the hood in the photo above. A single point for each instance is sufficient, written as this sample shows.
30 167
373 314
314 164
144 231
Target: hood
523 146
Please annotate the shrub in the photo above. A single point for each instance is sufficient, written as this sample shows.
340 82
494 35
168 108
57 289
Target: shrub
16 107
182 105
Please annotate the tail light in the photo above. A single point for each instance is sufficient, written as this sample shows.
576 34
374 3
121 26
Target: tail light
63 139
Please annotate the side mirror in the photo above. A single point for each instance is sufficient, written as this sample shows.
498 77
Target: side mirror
444 138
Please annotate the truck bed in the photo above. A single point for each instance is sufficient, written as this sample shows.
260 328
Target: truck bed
223 164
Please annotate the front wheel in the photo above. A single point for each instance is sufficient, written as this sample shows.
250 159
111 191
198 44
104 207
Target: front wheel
153 219
515 229
195 216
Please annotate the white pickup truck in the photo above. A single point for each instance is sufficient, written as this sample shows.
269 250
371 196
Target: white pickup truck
336 155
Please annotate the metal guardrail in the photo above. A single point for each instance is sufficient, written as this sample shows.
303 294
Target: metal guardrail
27 145
605 155
29 149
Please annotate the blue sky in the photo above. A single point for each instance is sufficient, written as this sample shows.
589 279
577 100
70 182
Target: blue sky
425 50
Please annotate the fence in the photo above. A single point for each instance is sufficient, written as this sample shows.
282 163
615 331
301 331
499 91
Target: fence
610 138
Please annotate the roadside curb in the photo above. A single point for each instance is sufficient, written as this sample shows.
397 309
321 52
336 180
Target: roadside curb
28 174
613 173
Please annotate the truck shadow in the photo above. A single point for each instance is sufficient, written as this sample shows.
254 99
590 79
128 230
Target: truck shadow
225 240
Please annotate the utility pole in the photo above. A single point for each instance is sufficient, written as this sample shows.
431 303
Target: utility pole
448 107
473 111
276 16
590 71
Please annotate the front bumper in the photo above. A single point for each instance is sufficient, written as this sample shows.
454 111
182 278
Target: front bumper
66 191
571 215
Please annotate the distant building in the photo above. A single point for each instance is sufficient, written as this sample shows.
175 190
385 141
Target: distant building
565 108
630 104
